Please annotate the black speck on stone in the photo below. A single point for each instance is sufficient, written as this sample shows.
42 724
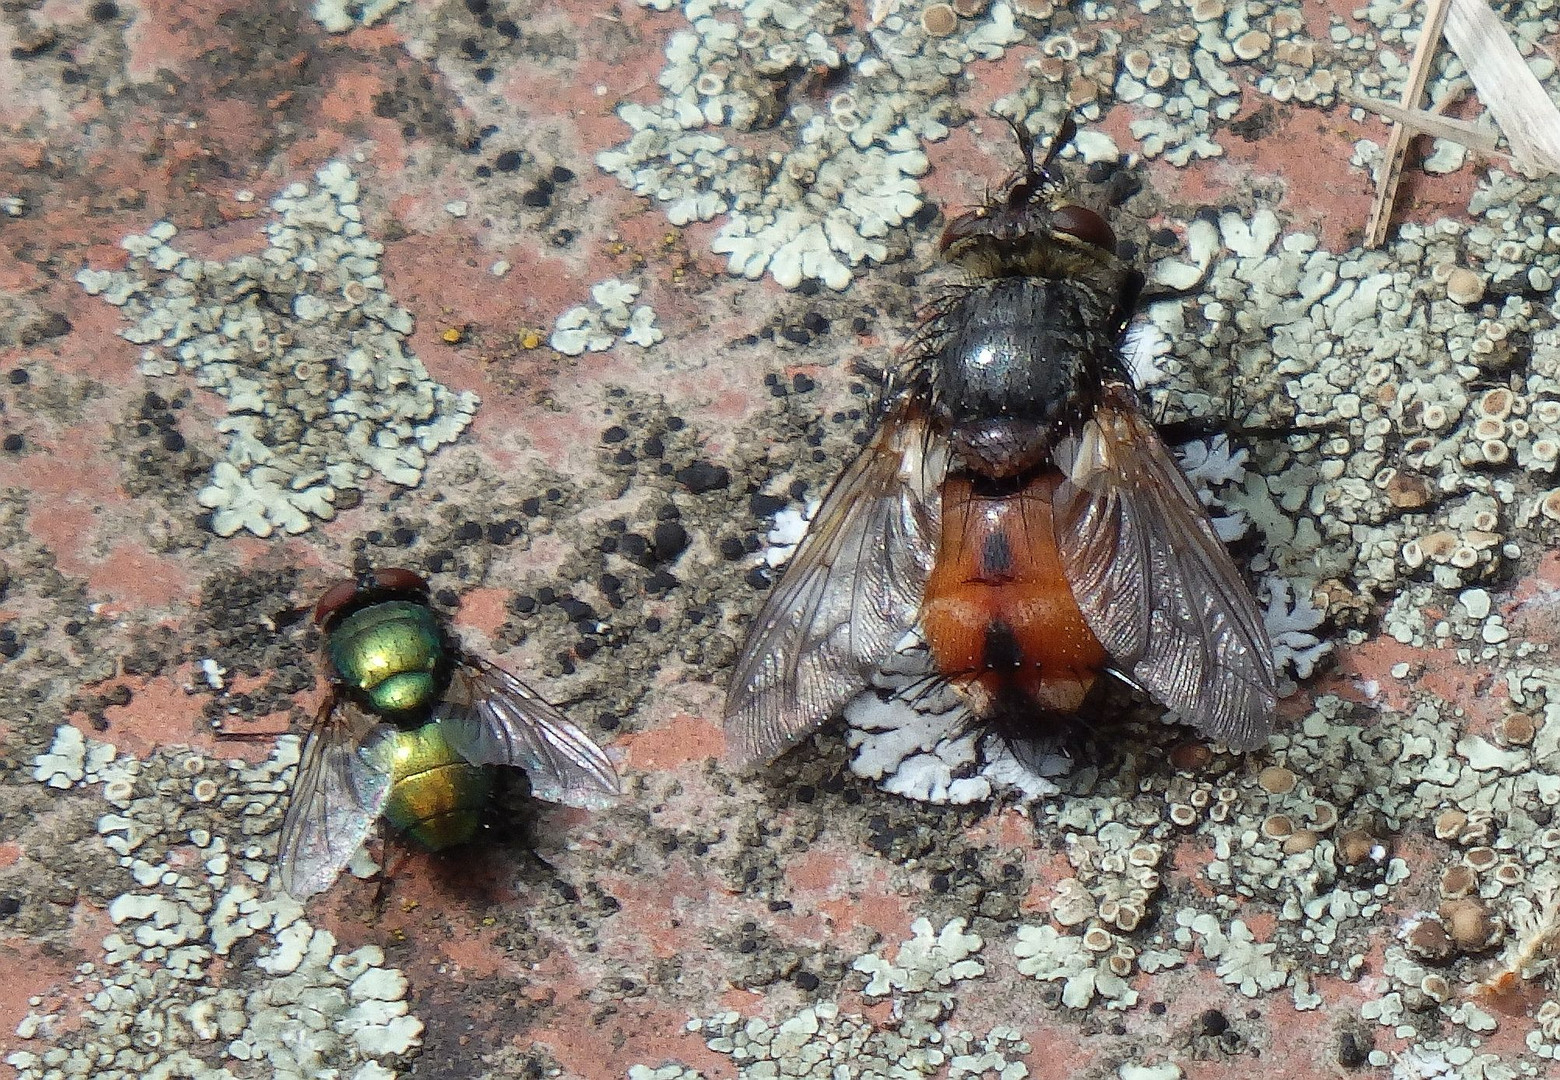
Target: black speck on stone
483 171
747 945
608 544
576 609
1214 1022
12 444
172 442
771 379
669 540
764 505
731 548
105 11
815 323
438 562
808 287
74 77
466 532
757 577
553 495
624 457
566 663
585 648
1164 237
524 604
609 583
484 74
477 7
939 883
608 722
796 335
925 215
403 537
9 905
660 582
859 325
18 376
471 50
653 447
653 624
676 423
806 793
805 981
72 628
547 595
447 598
1158 1008
1351 1054
537 198
798 489
508 161
563 238
802 383
561 174
668 512
508 27
143 429
531 507
634 546
701 477
485 21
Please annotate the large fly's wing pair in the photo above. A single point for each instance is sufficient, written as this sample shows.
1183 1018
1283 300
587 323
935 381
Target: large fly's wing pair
1152 579
488 717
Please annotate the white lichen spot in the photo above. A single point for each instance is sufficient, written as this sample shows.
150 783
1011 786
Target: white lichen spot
321 397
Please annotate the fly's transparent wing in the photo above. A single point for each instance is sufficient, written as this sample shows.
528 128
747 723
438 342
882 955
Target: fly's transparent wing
848 595
342 781
490 717
1155 583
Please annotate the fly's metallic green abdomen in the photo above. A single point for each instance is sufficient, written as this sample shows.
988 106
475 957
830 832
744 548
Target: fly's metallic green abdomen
436 795
392 653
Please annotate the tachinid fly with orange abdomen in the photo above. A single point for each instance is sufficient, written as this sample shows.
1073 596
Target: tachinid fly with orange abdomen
410 729
1017 507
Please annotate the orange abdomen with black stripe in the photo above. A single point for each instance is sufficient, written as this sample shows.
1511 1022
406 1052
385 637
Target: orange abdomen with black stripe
998 614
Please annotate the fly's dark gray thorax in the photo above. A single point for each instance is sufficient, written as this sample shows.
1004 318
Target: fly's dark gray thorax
1015 362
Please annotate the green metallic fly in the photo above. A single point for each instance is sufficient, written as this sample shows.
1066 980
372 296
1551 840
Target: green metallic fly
410 729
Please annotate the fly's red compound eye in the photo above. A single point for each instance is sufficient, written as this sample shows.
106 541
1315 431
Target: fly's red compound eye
960 228
337 596
399 580
1085 224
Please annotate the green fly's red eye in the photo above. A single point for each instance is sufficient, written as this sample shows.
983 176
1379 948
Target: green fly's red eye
337 596
1085 224
398 580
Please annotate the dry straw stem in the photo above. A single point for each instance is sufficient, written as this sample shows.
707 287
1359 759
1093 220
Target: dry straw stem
1522 110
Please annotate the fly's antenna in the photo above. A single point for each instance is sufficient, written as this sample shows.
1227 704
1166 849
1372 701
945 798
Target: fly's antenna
1037 175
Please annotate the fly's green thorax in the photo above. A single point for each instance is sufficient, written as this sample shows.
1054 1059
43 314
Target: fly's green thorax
393 653
436 796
